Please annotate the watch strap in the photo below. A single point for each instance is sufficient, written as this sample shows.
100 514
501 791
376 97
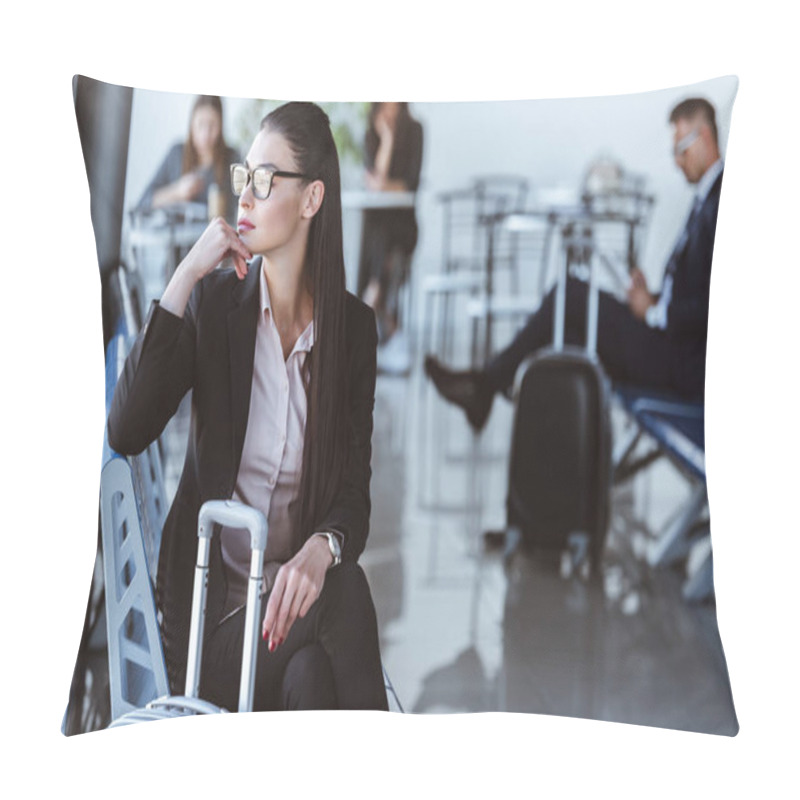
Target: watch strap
333 545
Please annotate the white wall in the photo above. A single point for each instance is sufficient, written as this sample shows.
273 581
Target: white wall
550 142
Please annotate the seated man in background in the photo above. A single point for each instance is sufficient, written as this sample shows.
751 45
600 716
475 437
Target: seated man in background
653 341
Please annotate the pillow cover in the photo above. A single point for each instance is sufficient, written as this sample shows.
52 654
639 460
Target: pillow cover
457 222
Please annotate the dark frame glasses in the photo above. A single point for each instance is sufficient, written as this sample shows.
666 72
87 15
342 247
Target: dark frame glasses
261 177
685 143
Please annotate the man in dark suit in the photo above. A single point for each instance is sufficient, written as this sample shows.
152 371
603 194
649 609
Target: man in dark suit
657 341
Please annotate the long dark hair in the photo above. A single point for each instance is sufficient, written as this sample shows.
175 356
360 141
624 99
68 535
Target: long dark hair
306 128
191 159
403 114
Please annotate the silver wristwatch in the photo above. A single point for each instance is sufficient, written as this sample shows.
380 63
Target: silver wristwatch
333 544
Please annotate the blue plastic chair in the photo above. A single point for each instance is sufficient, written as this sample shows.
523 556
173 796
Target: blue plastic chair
678 428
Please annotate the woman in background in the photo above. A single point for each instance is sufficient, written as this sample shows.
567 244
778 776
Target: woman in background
192 167
393 159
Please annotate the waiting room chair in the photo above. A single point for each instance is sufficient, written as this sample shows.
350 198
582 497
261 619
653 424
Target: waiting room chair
676 428
462 270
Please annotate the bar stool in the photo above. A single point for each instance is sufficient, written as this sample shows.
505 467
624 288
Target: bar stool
464 241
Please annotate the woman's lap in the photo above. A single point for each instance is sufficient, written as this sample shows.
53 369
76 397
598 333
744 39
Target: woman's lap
342 622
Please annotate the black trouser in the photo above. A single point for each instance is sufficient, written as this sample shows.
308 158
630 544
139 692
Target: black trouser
629 349
387 244
330 658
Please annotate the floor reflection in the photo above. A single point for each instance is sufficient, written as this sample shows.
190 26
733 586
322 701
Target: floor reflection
464 629
460 685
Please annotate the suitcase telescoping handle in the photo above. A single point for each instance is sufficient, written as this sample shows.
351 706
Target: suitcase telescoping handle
578 238
233 515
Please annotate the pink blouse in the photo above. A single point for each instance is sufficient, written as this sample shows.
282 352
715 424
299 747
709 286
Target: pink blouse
272 456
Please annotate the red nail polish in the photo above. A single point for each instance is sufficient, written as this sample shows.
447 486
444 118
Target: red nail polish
272 647
264 636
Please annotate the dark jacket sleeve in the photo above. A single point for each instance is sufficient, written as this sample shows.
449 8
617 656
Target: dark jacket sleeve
406 162
349 515
157 374
688 312
414 164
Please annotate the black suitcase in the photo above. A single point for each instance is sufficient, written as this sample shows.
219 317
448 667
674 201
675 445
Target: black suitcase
559 481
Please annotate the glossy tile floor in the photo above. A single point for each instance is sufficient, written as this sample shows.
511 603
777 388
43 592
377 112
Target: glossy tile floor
463 629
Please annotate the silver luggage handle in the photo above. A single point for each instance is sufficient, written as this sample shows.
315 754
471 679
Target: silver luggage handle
182 703
231 514
592 299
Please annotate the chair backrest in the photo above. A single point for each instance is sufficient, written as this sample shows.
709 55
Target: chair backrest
136 666
502 193
137 670
132 513
677 425
147 470
622 207
466 214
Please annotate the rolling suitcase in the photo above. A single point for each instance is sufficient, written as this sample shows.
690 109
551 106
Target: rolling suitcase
233 515
559 482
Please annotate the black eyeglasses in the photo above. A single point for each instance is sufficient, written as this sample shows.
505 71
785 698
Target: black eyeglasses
261 177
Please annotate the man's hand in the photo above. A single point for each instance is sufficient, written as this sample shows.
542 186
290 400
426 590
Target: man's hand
639 298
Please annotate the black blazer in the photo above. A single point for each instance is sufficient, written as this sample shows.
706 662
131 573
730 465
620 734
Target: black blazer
210 351
687 314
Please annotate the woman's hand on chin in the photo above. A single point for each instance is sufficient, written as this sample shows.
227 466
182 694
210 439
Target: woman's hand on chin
217 242
297 586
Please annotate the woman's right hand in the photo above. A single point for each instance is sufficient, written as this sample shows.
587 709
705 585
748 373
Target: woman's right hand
183 190
384 128
217 242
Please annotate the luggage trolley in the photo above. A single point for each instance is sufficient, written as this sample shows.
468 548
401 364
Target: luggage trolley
559 479
233 515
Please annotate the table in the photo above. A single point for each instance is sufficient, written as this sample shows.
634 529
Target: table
576 225
362 200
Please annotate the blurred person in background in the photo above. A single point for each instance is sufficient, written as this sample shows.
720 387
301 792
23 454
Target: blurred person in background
197 170
393 159
655 341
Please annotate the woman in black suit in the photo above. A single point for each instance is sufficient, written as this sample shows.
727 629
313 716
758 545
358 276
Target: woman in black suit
393 160
281 364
